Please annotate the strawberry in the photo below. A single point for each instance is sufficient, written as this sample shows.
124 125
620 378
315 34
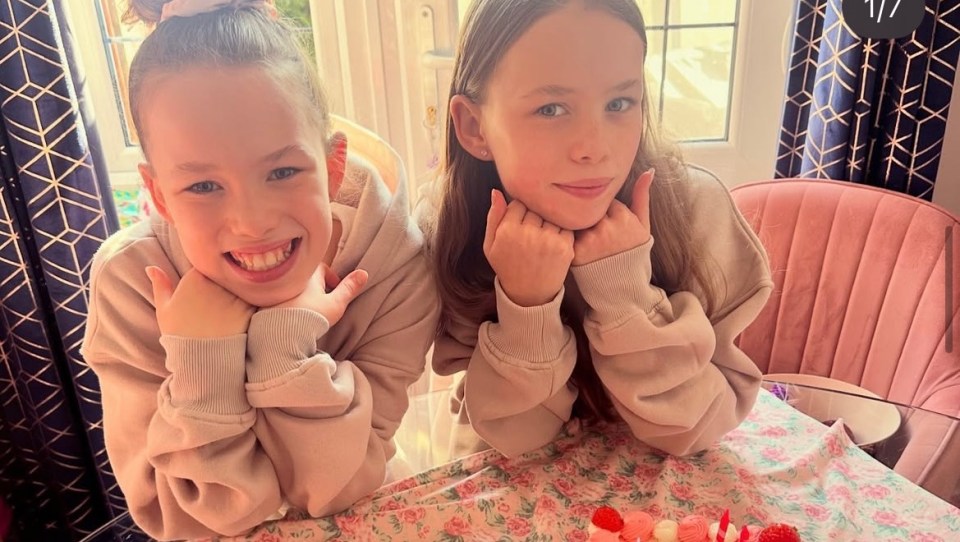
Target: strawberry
607 519
779 532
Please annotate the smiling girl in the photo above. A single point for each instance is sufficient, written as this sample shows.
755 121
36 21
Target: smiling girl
584 270
238 374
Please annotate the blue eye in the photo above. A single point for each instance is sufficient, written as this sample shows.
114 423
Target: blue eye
203 187
621 104
552 110
283 173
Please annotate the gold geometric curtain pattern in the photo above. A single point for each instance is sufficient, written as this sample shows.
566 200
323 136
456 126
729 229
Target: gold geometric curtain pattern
53 470
865 110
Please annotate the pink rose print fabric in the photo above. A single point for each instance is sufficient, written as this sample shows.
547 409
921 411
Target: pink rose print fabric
779 466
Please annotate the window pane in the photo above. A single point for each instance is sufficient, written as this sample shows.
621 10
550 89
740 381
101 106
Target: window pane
654 11
696 90
462 7
686 12
121 42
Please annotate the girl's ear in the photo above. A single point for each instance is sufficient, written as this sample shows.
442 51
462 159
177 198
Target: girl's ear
466 120
336 162
150 181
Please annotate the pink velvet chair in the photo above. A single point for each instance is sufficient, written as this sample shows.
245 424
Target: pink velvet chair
861 295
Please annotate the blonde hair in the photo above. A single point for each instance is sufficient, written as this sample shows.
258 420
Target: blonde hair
229 36
464 277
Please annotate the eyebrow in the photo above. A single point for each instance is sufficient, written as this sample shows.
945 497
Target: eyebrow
557 90
202 167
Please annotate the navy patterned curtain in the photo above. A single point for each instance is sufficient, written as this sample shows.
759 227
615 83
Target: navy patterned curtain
864 110
55 210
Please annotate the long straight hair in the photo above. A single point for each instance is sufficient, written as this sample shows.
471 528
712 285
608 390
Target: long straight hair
464 276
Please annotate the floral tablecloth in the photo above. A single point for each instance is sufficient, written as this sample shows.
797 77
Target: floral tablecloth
778 466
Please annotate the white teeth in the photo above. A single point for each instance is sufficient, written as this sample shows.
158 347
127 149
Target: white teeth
265 260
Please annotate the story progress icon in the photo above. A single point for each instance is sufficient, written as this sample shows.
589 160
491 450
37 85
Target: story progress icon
883 19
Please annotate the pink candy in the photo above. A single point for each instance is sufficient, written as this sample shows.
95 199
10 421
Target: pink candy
693 529
637 526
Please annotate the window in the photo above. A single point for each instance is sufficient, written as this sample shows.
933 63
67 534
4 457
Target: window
715 68
690 65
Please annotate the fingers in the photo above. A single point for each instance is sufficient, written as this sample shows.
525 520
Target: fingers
498 209
532 219
330 278
162 287
616 209
550 227
640 200
350 287
516 210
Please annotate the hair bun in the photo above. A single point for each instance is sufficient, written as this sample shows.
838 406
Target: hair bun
146 11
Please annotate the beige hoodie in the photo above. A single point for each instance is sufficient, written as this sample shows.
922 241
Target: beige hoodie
673 374
213 436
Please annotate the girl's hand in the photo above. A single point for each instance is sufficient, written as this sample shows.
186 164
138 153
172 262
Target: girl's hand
197 307
333 303
621 230
531 257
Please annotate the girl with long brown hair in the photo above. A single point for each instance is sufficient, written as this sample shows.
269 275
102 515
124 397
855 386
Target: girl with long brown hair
557 302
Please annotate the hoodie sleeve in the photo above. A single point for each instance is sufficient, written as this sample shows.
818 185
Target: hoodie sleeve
328 424
675 376
514 392
176 419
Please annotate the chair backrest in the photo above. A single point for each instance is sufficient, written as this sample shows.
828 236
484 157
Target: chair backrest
862 291
372 148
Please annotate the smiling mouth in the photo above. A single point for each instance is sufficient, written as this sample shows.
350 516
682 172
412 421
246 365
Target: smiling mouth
264 261
584 190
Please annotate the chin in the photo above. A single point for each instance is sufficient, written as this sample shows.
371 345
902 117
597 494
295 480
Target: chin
267 299
578 223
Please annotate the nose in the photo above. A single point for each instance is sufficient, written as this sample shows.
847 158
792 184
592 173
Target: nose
253 214
589 141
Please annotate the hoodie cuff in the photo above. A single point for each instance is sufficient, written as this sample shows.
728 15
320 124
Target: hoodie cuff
528 334
280 340
207 375
619 286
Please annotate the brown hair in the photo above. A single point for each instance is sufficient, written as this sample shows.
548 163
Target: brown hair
464 277
230 36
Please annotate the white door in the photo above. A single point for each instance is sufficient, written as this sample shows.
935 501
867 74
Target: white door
384 65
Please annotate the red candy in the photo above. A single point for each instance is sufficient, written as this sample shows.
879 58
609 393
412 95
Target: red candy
779 532
608 519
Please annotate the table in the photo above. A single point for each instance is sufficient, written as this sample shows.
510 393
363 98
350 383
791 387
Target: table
922 445
778 466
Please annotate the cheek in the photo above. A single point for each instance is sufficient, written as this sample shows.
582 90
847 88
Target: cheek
315 215
200 220
524 162
629 137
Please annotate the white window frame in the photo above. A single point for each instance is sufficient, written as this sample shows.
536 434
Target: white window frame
756 105
122 160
